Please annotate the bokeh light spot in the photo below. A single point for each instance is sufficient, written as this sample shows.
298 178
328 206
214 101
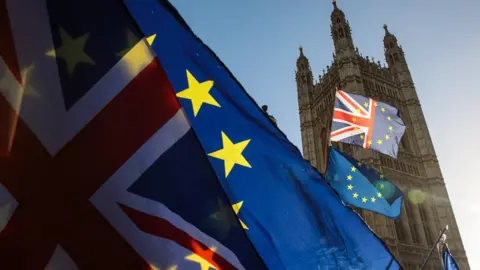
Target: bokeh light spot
416 196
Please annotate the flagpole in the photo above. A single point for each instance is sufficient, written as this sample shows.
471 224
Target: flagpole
328 142
433 248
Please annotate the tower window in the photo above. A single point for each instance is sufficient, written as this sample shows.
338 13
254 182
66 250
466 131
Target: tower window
390 58
423 216
395 56
338 20
404 143
400 232
341 32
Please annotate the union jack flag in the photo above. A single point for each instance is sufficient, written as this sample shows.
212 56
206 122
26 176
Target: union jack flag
367 123
97 176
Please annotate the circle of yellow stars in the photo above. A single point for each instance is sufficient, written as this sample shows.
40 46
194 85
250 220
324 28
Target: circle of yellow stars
355 195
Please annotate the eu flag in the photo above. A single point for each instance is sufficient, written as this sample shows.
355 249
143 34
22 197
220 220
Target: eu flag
447 258
292 216
361 186
367 123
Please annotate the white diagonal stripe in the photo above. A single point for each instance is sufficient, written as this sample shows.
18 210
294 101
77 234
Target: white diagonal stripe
155 250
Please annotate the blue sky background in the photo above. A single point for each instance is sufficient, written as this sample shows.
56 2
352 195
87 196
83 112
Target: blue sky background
258 40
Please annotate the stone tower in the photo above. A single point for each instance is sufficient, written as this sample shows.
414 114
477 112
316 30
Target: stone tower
427 207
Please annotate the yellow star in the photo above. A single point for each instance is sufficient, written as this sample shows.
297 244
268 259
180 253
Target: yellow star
389 118
231 153
354 119
364 200
390 128
151 39
373 199
358 110
355 128
355 195
349 178
365 104
359 164
9 85
350 187
72 51
383 109
362 137
353 169
132 40
387 137
382 186
236 208
198 93
379 141
221 213
204 264
381 176
375 104
369 142
379 195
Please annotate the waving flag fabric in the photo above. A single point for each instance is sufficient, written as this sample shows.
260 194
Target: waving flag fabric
104 171
361 186
448 261
292 216
367 123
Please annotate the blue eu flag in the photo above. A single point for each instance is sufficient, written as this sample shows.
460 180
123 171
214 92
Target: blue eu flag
291 215
362 187
448 261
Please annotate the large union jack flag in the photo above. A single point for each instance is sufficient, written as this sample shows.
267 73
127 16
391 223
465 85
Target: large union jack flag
94 171
367 123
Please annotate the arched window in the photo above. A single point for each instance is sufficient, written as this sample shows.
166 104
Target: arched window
400 232
390 58
405 143
423 216
341 32
338 20
409 207
395 56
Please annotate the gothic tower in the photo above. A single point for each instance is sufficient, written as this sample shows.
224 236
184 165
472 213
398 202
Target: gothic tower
426 209
304 78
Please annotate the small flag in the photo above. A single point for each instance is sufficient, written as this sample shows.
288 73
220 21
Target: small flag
290 213
362 187
447 258
367 123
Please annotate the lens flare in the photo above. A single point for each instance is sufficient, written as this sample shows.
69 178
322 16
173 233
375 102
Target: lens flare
416 196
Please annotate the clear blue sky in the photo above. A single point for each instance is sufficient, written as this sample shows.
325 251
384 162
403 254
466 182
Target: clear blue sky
259 40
